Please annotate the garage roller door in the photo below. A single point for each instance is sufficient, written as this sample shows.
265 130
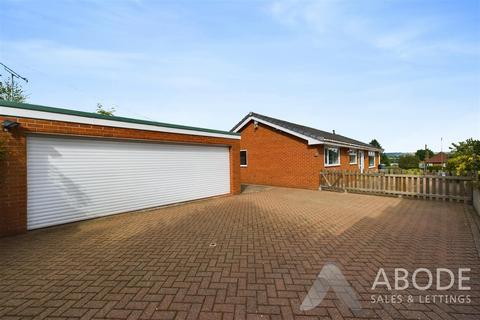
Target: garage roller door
71 179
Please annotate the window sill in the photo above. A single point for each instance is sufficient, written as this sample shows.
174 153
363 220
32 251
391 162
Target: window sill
372 167
243 166
332 165
353 162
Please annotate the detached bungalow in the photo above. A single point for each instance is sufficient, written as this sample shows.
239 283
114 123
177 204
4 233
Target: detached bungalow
281 153
440 159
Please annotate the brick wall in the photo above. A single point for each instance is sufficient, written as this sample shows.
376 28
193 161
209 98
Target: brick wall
280 159
13 170
13 187
344 161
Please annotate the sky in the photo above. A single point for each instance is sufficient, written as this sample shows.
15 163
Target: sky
404 72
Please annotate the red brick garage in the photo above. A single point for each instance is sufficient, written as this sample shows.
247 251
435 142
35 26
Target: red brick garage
62 165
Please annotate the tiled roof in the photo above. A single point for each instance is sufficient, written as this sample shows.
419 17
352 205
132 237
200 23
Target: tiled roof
440 157
306 131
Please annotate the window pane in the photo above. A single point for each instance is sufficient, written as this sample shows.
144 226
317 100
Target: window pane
353 158
243 158
332 156
371 161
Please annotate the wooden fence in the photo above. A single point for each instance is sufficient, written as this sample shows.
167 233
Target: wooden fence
447 188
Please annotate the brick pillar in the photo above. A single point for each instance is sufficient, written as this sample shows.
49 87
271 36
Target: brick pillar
13 183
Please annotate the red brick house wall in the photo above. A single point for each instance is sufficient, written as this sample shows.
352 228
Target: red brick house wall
13 169
279 159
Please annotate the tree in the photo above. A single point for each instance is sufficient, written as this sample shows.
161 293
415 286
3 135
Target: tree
375 143
408 161
422 152
103 111
15 93
465 156
384 159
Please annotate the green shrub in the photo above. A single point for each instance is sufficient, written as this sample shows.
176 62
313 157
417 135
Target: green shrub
408 161
435 168
465 156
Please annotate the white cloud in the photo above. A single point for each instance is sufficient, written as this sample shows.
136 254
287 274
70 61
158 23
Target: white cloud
334 17
403 38
318 15
51 54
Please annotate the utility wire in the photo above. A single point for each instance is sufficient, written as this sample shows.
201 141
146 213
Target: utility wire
13 75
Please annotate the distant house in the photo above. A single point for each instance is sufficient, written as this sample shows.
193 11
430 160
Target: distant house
440 159
421 164
281 153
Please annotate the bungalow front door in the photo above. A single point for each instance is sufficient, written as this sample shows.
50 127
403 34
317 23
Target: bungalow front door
361 158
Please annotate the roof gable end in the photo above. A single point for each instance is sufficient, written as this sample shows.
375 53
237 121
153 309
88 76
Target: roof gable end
311 135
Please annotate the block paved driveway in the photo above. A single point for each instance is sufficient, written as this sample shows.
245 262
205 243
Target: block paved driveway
270 246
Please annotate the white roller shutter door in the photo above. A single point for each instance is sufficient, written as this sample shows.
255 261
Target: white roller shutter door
72 179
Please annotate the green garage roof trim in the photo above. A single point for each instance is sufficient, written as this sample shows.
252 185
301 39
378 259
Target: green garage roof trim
35 107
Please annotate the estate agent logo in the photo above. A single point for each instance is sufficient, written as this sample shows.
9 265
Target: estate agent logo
422 279
330 277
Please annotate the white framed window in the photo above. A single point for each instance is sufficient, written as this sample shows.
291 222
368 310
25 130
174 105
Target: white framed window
332 156
352 155
371 159
243 158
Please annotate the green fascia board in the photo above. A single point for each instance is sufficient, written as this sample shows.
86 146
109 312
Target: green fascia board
36 107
